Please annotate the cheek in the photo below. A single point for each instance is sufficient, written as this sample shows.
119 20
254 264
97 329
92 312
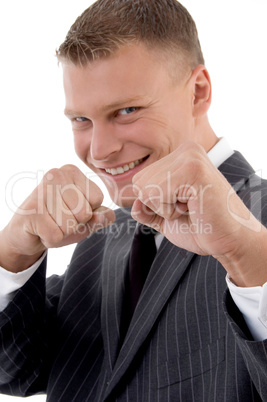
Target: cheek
147 132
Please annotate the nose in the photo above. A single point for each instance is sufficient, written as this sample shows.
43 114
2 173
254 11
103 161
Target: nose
104 142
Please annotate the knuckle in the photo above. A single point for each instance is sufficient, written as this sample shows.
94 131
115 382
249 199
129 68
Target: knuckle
61 175
52 175
70 169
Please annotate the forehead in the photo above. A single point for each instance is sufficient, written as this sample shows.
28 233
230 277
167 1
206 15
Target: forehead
131 73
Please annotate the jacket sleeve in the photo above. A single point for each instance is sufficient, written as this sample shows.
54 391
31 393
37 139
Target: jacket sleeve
253 352
26 344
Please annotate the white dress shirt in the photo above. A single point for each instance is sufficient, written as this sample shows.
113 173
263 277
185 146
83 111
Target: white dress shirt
252 302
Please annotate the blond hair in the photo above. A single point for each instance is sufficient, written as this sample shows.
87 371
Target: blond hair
107 25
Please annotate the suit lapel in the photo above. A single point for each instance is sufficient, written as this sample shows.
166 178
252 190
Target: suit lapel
236 170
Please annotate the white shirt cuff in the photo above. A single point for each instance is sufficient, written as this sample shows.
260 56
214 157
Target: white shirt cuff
10 281
252 302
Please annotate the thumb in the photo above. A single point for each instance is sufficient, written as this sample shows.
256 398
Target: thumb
143 214
101 218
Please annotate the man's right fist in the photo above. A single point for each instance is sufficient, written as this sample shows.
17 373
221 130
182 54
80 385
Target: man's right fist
65 208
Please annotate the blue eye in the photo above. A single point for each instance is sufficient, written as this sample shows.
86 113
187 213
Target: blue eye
81 119
128 110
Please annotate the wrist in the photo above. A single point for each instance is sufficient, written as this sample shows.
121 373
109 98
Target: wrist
12 259
247 264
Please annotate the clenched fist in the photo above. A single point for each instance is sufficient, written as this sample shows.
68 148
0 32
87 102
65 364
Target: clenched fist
187 199
64 209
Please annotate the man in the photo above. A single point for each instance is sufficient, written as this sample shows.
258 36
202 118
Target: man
137 95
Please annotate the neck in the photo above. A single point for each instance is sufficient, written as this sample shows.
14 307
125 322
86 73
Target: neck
205 134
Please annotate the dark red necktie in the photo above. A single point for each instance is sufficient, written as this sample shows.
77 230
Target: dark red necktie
142 254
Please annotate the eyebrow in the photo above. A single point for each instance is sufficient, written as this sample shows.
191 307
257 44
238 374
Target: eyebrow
106 108
72 113
122 103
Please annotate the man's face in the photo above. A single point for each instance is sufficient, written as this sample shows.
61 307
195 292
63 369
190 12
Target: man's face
126 113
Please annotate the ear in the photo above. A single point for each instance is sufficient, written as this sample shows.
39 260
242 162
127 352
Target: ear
201 85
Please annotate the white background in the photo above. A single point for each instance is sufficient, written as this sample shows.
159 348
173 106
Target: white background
35 136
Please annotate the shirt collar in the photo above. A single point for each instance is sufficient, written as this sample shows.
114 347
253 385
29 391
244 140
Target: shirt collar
220 152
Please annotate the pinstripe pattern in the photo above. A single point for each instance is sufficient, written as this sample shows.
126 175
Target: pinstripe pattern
187 341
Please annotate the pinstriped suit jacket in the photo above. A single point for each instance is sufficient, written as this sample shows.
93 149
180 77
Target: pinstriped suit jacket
186 342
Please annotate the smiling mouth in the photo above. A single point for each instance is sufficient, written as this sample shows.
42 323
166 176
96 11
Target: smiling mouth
124 168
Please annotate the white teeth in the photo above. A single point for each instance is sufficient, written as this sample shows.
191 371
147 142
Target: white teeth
120 170
123 169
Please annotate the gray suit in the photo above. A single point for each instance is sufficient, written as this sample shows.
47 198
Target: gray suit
187 341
